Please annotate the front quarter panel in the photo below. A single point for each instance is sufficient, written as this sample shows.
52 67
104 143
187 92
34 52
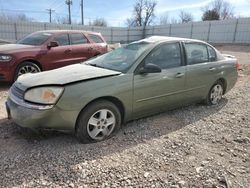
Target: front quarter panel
78 95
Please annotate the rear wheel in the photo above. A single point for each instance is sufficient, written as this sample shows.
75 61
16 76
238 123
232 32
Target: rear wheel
215 94
99 121
26 67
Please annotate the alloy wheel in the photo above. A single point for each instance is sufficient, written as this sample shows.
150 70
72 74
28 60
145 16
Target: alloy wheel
216 94
27 69
101 124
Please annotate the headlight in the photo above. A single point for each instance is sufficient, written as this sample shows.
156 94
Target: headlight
5 57
44 95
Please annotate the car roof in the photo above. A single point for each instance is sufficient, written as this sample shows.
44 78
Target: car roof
160 39
69 31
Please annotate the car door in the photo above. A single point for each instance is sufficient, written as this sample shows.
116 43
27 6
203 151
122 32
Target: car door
58 56
81 48
100 46
155 92
201 69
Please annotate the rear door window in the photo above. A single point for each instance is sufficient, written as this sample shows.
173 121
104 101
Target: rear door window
78 38
62 40
196 53
96 38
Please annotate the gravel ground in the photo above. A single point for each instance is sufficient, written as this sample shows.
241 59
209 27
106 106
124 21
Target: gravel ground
195 146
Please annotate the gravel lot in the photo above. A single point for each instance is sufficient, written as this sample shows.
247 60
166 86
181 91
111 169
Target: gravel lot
195 146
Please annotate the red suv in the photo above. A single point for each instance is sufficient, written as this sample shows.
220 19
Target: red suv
46 50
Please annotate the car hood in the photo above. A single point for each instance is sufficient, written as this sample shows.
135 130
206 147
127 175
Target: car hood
10 48
63 76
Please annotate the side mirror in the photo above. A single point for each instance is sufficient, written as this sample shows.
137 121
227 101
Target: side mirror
149 68
52 44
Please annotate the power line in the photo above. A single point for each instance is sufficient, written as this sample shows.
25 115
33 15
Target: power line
31 11
50 12
69 3
59 5
82 12
55 3
116 20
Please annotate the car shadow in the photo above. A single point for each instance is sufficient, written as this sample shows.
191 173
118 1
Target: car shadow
62 146
144 128
4 86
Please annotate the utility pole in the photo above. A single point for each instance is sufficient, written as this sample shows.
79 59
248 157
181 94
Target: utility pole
69 2
82 11
50 12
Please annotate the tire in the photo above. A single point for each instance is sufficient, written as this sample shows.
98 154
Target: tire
215 94
91 127
26 67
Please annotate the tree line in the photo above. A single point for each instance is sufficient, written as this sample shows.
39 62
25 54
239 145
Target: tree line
144 13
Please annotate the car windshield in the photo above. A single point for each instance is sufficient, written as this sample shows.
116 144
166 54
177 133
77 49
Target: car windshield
120 59
35 39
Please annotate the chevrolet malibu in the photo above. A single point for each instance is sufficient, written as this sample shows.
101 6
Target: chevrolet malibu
142 78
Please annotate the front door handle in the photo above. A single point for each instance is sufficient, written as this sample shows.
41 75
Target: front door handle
68 51
212 69
179 75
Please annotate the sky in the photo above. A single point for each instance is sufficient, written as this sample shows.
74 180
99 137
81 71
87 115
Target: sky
114 11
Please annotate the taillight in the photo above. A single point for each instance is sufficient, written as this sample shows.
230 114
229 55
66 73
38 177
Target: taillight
237 65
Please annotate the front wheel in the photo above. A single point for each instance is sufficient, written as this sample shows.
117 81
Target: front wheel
215 94
26 67
99 121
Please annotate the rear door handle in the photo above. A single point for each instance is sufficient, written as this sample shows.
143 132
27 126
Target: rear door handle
68 51
179 75
212 68
90 48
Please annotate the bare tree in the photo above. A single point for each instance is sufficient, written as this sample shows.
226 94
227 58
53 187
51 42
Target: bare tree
226 11
130 22
174 21
223 8
18 17
61 20
149 12
143 14
185 17
99 22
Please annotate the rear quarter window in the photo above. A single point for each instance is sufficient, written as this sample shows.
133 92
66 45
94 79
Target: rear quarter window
78 38
212 54
96 38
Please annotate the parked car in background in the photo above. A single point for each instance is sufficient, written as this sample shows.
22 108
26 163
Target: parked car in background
46 50
143 78
4 42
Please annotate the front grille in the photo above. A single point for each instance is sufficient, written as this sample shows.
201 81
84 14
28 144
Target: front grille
17 92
